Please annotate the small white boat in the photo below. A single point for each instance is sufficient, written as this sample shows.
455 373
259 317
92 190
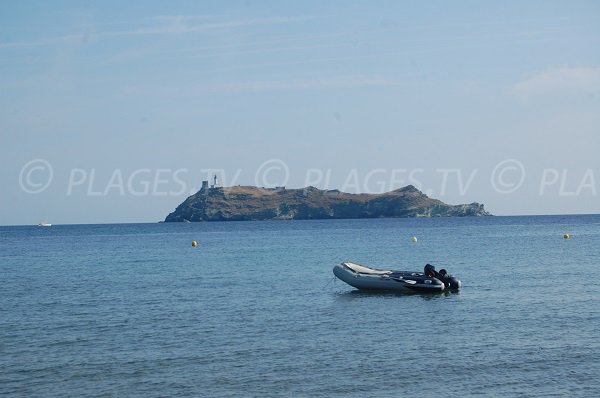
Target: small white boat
44 224
367 278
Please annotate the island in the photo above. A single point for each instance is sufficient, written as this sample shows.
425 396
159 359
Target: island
243 203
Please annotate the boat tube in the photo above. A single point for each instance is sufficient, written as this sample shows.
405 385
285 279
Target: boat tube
367 278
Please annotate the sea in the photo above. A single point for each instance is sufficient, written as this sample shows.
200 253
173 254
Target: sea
134 310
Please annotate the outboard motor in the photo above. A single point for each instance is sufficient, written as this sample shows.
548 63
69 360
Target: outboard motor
429 271
448 280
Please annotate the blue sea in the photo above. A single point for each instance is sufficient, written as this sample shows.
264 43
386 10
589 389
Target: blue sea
254 310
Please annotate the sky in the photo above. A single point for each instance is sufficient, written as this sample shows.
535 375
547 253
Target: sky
113 112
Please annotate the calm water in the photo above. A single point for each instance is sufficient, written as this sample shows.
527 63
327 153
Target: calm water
134 310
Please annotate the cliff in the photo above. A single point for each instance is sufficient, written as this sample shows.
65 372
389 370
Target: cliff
252 203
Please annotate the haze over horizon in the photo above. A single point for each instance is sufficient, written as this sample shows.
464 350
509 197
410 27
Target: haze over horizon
115 112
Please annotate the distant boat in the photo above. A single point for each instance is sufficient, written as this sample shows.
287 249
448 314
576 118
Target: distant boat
44 224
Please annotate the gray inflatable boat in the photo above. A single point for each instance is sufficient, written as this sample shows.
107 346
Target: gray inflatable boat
367 278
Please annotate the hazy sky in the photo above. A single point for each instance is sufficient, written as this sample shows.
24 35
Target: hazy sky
112 112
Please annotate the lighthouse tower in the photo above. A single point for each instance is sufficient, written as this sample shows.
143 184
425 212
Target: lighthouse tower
214 181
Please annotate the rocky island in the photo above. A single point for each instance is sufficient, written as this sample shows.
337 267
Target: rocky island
242 203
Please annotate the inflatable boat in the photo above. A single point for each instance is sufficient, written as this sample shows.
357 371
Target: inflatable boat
367 278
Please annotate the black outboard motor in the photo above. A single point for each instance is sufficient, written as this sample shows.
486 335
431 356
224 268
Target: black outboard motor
448 280
429 271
